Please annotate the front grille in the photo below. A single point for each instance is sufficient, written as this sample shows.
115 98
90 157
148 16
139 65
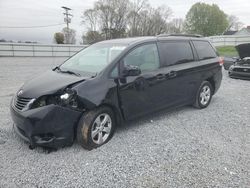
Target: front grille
20 102
242 70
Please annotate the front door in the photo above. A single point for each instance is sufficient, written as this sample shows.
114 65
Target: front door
137 93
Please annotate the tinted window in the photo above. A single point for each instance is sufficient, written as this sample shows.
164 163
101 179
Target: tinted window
175 52
145 57
204 50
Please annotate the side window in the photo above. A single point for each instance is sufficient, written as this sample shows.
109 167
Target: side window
175 52
145 57
204 50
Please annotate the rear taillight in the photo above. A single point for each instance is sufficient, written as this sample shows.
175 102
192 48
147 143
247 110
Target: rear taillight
221 61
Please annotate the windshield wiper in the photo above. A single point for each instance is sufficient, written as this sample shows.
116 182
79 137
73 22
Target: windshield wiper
66 71
70 72
56 68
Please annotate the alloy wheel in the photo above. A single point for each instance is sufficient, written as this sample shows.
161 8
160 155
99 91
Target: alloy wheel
205 95
101 128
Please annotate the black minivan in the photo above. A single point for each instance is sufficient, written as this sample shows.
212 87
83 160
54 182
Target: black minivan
113 81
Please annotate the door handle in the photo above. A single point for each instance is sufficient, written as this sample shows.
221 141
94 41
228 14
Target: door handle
172 74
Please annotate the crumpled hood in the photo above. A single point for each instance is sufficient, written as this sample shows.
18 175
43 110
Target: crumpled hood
243 50
48 83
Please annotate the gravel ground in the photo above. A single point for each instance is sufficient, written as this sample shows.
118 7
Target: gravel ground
182 148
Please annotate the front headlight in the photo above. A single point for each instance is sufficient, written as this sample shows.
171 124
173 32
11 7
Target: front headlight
68 99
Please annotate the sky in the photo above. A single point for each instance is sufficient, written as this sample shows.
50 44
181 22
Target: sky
26 13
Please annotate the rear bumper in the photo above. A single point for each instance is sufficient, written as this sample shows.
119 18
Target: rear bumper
49 126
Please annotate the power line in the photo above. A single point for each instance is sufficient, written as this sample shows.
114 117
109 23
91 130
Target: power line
27 27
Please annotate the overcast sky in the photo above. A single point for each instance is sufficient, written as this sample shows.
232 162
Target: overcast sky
19 13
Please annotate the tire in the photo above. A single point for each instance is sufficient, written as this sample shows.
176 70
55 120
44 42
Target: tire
204 95
93 125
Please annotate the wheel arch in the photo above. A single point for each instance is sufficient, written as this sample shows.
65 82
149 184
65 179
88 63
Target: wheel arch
116 111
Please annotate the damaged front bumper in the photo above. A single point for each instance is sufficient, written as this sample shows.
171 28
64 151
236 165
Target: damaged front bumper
50 126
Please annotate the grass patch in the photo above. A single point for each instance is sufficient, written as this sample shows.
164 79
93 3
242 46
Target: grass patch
228 51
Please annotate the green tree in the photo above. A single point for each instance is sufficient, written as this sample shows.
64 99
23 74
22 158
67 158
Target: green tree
59 38
206 20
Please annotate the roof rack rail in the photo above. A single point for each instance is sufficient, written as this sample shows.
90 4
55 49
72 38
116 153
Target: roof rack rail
180 35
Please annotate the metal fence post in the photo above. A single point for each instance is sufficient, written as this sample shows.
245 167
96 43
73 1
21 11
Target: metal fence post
33 48
12 47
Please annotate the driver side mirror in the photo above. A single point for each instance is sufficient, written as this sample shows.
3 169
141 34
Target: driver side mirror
131 70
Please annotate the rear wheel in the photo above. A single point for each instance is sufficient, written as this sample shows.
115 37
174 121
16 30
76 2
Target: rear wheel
95 128
204 95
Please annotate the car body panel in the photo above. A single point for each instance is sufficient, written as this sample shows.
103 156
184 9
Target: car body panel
98 91
137 94
47 83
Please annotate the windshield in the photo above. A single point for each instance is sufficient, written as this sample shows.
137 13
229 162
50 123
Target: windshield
93 59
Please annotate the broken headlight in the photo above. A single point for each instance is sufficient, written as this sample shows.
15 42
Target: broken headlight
68 99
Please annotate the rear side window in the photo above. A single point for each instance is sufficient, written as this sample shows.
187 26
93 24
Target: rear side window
204 50
173 53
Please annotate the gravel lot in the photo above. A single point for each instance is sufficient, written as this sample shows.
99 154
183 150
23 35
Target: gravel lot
183 148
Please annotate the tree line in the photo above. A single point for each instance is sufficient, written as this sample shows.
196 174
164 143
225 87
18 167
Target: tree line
110 19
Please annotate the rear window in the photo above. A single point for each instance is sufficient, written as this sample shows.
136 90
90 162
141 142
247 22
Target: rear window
173 53
204 50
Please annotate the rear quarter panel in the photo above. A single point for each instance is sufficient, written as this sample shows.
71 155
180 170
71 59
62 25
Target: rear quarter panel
200 71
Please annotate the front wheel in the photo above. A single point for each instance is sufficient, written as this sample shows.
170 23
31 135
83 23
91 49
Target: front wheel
95 128
204 95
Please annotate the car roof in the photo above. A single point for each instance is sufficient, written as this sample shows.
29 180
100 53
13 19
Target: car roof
132 40
126 40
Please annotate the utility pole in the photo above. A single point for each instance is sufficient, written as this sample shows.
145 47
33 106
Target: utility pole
67 20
